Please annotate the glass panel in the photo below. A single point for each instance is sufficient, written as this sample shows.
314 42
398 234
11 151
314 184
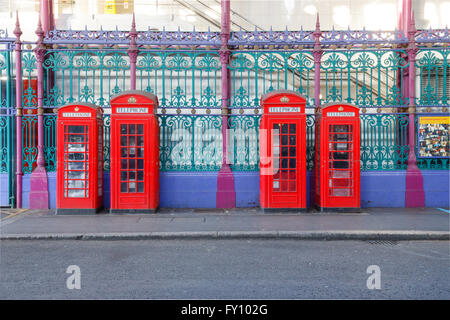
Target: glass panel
131 129
123 140
140 128
75 174
132 141
292 151
76 129
76 138
131 164
284 152
132 175
123 175
292 163
140 187
75 194
292 128
140 175
123 129
284 128
132 187
140 141
292 140
140 152
140 164
284 140
123 187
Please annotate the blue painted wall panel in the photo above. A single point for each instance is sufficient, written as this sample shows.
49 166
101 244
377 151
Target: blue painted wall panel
436 186
4 190
383 189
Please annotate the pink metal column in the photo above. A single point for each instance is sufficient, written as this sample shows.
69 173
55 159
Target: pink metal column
133 53
226 194
317 53
415 195
38 181
18 55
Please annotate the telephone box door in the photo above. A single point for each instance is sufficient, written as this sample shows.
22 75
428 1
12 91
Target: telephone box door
132 181
134 153
342 169
80 158
286 146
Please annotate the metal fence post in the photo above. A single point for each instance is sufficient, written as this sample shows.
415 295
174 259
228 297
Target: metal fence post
133 53
19 112
414 195
226 194
38 181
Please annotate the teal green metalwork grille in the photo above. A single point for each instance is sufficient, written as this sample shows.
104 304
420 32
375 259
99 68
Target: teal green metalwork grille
384 141
50 141
29 142
84 75
243 142
181 79
106 142
364 78
190 143
433 70
254 74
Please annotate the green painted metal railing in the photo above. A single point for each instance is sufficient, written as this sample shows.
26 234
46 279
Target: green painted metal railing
188 79
181 79
254 74
433 70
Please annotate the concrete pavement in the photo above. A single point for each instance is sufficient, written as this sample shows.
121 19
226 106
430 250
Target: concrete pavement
370 224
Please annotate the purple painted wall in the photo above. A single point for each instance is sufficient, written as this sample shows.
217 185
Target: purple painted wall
436 186
198 189
4 190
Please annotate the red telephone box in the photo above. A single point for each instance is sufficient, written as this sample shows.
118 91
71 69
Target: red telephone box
337 170
134 152
80 158
283 152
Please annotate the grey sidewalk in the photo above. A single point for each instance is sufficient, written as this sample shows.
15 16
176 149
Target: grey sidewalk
371 224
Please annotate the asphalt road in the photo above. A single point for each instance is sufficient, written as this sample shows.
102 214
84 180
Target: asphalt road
229 269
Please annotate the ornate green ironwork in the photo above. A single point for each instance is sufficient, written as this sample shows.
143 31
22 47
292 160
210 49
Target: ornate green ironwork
181 79
254 74
364 78
84 75
190 143
50 141
29 142
433 70
384 141
243 142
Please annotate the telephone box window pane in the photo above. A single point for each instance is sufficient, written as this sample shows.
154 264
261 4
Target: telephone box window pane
123 163
340 164
292 140
140 152
123 129
340 128
284 163
140 141
140 187
276 185
76 138
123 175
76 194
140 164
276 126
284 140
123 152
292 151
140 129
131 164
284 128
284 152
292 163
132 175
132 141
341 155
132 129
131 152
292 128
140 175
123 140
76 129
123 187
132 187
75 174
